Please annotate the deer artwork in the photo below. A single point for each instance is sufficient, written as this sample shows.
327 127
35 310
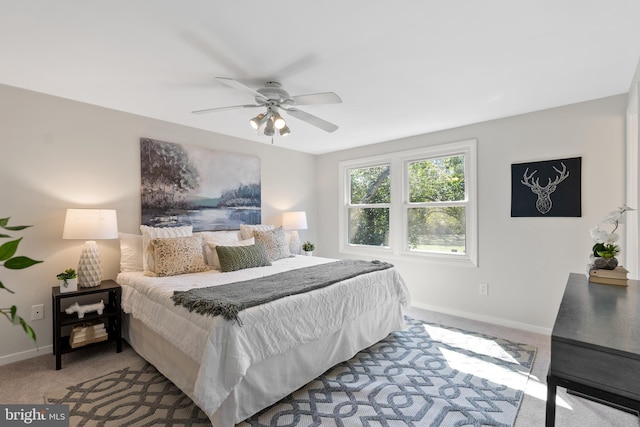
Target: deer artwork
543 204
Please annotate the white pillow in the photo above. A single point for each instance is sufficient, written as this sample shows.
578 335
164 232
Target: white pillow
246 230
223 235
212 254
130 252
150 233
219 237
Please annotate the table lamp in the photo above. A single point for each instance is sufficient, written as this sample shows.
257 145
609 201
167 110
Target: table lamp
294 221
90 225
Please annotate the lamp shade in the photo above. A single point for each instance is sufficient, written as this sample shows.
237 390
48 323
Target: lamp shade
278 121
294 220
284 131
90 224
258 121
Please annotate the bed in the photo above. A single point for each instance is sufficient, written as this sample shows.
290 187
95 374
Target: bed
234 369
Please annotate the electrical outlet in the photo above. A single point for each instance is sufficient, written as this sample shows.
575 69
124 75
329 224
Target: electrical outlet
483 289
37 312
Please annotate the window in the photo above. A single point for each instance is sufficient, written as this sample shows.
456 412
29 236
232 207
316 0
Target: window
414 203
368 206
436 208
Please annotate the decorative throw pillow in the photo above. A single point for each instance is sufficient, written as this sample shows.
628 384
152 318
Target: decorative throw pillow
275 242
234 258
130 252
246 230
213 259
225 237
150 233
178 255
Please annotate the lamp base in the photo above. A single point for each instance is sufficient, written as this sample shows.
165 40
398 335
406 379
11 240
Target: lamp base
294 243
89 266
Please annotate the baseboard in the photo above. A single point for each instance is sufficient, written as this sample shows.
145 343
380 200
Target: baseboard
24 355
486 319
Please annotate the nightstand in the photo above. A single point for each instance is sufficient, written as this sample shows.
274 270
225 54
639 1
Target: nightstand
111 316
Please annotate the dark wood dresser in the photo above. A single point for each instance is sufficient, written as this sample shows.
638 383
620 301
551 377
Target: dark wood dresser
595 345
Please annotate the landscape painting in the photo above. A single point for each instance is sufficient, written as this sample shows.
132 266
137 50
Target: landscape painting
191 185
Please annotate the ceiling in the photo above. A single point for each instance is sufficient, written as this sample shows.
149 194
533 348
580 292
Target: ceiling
401 68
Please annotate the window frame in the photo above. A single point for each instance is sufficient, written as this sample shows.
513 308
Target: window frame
398 209
345 196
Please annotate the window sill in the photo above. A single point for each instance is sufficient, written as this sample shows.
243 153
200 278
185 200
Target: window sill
389 255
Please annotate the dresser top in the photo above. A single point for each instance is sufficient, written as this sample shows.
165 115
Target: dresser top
604 317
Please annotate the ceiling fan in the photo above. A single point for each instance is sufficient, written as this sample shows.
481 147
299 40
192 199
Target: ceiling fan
274 98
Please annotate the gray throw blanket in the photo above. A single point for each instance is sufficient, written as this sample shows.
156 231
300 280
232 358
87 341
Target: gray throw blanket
229 299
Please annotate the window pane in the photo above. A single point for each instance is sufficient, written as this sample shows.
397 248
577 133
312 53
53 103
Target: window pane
369 226
370 185
437 180
437 229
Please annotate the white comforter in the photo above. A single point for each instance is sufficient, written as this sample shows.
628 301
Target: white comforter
224 350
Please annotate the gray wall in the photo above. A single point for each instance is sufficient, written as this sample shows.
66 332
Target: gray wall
525 261
57 154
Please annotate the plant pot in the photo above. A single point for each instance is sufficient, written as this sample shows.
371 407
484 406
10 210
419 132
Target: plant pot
71 285
308 253
605 263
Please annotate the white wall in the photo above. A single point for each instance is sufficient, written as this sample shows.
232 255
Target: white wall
633 187
525 261
56 154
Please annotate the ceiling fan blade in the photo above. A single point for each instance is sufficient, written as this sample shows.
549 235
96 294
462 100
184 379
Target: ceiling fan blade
233 107
237 85
316 98
311 119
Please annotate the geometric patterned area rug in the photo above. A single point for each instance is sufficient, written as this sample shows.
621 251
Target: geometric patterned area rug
129 397
427 375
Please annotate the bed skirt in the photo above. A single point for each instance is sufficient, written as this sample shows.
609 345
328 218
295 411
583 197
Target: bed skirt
268 381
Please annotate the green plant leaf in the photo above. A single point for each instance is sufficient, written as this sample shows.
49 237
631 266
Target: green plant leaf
597 248
28 329
2 286
20 262
4 224
8 260
8 249
16 227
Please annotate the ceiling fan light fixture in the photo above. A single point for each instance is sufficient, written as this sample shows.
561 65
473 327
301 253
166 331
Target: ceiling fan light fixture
258 121
284 131
278 121
268 129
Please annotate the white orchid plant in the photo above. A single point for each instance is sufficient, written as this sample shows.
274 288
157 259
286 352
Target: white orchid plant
605 242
